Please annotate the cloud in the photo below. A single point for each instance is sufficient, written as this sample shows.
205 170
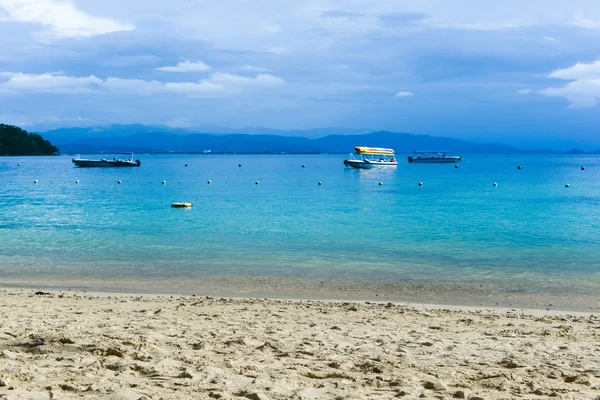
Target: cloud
404 94
584 88
524 92
341 14
219 84
578 71
48 83
185 66
62 18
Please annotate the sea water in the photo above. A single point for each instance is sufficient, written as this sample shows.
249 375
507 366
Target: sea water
270 218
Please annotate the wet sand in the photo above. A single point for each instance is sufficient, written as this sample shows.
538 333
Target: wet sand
67 345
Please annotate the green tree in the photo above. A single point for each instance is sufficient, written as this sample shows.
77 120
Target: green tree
15 141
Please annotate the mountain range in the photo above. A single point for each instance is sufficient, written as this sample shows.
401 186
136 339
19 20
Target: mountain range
159 139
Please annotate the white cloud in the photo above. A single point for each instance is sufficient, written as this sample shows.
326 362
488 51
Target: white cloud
584 88
186 66
218 84
49 83
578 71
404 94
524 92
62 18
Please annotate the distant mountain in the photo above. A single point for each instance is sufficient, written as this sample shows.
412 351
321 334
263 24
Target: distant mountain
149 139
575 151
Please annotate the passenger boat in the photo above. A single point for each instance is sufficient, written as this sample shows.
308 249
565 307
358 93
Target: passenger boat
105 162
369 157
433 157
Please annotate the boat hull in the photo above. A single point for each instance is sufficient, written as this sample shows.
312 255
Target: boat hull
105 163
434 160
365 164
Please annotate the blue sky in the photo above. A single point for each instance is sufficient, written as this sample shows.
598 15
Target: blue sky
521 72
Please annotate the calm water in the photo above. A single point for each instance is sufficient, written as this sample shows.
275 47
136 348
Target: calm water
528 233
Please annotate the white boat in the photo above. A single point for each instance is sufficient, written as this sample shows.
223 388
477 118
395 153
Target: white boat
369 157
105 162
433 157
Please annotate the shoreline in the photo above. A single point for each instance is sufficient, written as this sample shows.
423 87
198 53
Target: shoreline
75 344
468 295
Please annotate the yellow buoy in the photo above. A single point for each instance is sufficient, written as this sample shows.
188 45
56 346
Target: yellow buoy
181 205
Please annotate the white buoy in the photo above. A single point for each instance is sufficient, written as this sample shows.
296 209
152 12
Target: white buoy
519 167
19 164
119 181
77 181
256 183
495 184
567 185
35 181
239 165
303 166
380 183
582 168
455 165
320 183
420 183
164 182
186 165
209 181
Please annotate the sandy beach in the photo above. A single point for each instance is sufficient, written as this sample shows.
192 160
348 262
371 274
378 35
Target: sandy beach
68 345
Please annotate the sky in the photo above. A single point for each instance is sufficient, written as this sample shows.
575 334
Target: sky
520 72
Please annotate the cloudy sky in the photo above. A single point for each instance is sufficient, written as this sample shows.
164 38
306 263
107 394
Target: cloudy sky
517 71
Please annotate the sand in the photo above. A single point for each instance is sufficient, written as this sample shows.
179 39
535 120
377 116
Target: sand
67 345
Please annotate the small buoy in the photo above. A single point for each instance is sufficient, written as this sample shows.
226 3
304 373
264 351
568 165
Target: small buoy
181 205
209 181
495 184
380 183
118 181
567 185
582 168
455 165
186 165
35 181
19 164
239 165
77 181
420 183
519 167
303 166
164 182
320 183
256 183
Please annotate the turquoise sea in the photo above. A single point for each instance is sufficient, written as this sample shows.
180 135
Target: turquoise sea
528 235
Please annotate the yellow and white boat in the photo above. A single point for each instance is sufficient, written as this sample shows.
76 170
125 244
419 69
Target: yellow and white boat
369 157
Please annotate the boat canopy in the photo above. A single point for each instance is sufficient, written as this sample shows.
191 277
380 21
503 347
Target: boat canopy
373 150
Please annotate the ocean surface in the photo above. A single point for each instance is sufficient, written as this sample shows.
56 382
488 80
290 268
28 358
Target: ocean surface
529 234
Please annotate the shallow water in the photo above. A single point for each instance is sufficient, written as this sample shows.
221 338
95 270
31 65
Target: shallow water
528 234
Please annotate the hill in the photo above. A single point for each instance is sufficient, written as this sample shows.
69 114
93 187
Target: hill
159 139
15 141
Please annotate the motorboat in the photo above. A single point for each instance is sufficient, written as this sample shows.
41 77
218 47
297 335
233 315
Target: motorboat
107 162
433 157
369 157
